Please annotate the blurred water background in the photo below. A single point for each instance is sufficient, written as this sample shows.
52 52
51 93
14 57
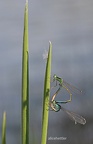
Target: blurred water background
69 26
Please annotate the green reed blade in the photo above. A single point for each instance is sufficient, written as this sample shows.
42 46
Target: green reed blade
4 129
46 96
25 81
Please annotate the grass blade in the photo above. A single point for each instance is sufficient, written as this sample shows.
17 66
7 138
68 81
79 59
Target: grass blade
4 129
25 81
46 97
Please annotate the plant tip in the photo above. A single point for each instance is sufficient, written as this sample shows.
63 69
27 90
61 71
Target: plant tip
49 42
26 1
4 112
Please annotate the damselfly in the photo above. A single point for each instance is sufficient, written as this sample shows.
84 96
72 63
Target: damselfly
69 88
55 106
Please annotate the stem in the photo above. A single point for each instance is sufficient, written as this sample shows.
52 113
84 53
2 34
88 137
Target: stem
4 129
25 81
46 96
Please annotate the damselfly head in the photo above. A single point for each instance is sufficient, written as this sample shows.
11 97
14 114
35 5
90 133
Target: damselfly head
54 77
55 106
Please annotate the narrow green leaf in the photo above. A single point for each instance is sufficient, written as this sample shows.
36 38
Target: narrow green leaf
46 97
4 129
25 81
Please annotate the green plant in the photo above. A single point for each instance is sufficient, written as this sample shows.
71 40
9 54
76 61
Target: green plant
4 129
46 97
25 81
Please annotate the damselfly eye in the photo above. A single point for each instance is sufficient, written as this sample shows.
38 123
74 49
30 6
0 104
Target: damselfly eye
54 77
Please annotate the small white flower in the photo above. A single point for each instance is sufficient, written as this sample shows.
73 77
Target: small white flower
45 54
